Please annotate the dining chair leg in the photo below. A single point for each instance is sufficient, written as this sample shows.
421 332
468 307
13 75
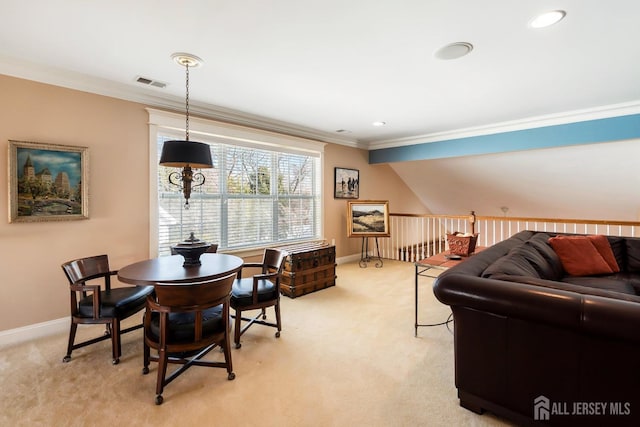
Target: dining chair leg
278 321
162 372
237 328
227 356
116 350
146 357
72 337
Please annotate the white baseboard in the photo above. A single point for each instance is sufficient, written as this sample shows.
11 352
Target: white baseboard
31 332
348 258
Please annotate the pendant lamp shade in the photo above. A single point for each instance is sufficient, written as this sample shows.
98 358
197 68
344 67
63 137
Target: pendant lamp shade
186 154
178 154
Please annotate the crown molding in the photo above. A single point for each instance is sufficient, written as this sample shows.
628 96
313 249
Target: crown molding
601 112
152 97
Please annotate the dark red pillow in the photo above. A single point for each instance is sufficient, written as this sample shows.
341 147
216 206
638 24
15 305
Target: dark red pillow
604 248
579 256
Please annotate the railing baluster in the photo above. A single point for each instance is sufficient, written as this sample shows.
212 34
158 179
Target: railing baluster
413 237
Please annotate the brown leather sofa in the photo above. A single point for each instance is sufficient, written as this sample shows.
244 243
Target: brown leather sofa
539 347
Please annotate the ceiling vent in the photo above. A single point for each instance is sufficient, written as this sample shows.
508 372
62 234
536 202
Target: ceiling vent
151 82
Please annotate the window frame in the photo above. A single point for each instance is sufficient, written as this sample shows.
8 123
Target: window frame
166 123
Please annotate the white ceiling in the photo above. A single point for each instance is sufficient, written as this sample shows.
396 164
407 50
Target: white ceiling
313 67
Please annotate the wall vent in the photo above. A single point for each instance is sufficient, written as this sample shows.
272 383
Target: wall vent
151 82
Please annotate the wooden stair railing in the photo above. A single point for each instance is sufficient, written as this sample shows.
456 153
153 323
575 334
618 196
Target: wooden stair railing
416 236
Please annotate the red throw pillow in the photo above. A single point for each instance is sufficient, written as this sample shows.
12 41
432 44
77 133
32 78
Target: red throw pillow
604 248
579 256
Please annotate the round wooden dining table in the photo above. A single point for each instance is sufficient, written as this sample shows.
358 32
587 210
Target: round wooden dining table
169 269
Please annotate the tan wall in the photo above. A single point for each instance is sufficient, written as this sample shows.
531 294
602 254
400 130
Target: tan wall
33 287
377 182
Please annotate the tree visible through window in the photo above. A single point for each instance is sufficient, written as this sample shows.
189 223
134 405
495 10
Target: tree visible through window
251 198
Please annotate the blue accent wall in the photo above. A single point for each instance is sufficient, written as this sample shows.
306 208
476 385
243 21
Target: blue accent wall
587 132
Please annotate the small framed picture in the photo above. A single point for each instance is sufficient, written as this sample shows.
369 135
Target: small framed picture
47 182
346 183
368 218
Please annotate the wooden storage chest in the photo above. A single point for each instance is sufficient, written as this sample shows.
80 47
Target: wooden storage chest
308 267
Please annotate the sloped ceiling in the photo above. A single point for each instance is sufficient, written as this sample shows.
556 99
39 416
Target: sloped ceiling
596 181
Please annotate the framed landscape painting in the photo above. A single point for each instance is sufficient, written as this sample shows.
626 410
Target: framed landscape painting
346 183
47 182
368 218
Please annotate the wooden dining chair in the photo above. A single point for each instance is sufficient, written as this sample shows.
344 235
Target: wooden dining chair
258 293
94 301
183 322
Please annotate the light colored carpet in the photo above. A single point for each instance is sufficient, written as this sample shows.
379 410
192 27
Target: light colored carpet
347 357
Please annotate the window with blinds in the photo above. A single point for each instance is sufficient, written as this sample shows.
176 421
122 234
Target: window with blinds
252 197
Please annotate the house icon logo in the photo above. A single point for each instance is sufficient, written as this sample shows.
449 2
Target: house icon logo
541 408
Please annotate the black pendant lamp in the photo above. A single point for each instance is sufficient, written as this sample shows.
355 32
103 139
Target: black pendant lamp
186 154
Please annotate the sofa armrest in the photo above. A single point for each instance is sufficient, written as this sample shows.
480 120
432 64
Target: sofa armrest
561 308
611 317
508 299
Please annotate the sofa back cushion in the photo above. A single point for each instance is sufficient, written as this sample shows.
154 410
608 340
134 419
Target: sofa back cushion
515 263
534 258
632 247
553 270
480 261
619 248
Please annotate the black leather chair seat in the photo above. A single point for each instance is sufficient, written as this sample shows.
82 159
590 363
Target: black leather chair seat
181 325
117 302
242 291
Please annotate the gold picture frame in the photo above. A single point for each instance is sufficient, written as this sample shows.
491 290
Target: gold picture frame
368 218
47 182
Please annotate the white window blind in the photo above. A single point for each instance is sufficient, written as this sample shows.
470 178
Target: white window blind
252 197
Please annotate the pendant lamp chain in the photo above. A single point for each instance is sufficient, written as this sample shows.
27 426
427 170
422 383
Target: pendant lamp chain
187 100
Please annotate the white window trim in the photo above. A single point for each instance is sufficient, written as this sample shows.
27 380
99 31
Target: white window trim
164 120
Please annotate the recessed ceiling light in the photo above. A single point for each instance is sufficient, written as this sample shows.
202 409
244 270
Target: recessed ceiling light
454 50
379 123
547 19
